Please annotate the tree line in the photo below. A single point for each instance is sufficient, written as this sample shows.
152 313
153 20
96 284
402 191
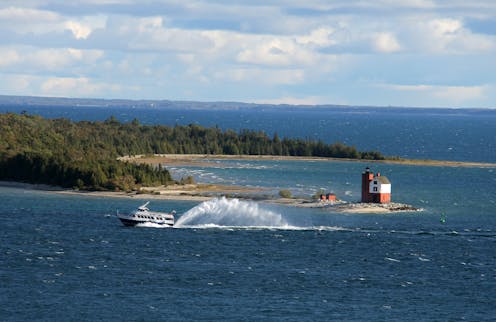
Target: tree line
84 154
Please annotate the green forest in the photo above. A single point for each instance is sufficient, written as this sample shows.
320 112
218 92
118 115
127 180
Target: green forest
84 154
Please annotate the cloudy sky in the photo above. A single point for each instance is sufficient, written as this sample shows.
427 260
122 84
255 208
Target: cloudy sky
383 52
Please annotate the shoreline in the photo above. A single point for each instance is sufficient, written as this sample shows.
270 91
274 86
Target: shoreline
201 193
192 192
205 160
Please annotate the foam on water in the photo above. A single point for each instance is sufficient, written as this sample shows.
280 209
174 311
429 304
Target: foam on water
223 212
233 214
152 225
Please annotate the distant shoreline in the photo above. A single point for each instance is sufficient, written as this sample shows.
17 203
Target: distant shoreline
204 160
165 104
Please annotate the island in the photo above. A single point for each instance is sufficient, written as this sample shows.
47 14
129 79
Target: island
88 155
117 159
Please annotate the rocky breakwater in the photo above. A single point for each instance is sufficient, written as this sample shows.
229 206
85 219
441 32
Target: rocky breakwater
360 207
348 207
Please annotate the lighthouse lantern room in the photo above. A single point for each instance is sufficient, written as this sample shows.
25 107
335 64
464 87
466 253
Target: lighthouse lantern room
375 188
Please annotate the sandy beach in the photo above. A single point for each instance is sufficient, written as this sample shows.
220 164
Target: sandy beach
206 160
203 192
189 192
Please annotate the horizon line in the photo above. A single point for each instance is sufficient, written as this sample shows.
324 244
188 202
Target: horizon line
252 104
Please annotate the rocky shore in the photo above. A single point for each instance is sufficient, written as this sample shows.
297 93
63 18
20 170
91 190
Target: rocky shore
347 207
373 207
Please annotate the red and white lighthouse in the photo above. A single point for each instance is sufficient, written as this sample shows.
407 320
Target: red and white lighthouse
375 189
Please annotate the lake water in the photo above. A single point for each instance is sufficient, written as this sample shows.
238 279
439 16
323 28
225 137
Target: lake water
66 257
460 135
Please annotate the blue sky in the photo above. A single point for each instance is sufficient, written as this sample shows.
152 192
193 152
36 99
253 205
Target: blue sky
425 53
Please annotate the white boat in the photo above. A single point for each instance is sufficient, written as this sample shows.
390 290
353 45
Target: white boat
143 215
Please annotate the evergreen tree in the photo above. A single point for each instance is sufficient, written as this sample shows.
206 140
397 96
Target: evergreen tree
84 154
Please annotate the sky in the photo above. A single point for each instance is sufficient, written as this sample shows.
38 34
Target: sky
422 53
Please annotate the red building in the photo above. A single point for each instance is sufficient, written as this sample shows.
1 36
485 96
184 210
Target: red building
375 189
328 197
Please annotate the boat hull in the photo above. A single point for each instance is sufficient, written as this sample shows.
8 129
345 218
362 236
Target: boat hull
128 222
131 222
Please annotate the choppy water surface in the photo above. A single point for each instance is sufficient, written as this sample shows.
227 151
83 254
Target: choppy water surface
66 258
69 258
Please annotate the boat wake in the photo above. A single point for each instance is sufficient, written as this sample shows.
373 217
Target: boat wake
235 214
152 225
230 213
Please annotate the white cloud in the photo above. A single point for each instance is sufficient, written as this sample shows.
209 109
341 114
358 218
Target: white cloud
289 46
81 29
262 76
442 27
450 94
284 51
275 52
149 34
447 36
9 57
20 20
386 42
419 4
34 21
81 86
187 58
149 24
321 37
25 84
54 60
16 84
461 94
27 15
78 30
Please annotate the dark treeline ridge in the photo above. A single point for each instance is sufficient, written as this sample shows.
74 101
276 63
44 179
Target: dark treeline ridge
84 154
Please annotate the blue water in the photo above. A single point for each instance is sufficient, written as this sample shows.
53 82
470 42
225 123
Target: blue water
460 135
456 190
67 257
